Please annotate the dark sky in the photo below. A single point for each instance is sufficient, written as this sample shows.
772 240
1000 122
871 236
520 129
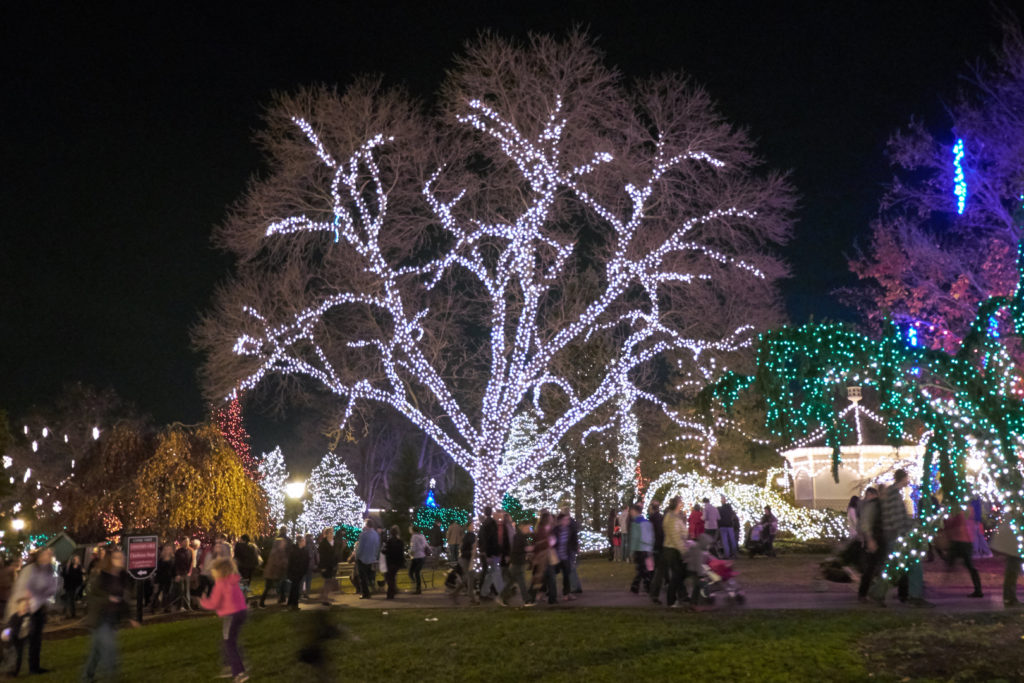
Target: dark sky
126 132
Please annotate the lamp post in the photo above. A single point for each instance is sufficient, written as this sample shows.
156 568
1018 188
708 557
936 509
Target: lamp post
294 491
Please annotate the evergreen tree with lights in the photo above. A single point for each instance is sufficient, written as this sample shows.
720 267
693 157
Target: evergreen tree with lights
229 420
455 263
331 498
273 475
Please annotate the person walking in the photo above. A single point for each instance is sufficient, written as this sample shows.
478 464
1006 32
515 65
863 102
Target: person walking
37 582
612 536
769 527
298 566
1004 542
467 551
710 513
183 573
695 523
517 567
328 566
727 524
418 550
275 571
566 546
454 537
394 555
247 559
869 530
641 546
16 635
73 577
366 554
107 608
228 601
852 515
976 529
622 522
657 520
493 545
544 559
674 526
896 523
314 562
164 578
8 575
960 547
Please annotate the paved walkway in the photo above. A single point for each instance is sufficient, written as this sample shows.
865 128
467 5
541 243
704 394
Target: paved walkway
787 582
791 582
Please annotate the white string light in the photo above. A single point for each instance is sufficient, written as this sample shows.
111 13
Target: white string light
331 497
273 477
530 264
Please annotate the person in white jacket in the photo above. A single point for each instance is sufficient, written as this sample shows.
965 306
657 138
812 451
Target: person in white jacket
418 551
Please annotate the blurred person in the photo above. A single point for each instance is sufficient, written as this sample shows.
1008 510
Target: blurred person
228 601
314 562
163 577
275 571
327 565
73 577
298 566
367 553
37 582
394 555
107 608
641 547
418 550
454 537
960 547
183 573
695 522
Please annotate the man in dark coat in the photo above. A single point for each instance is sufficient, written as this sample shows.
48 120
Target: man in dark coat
298 565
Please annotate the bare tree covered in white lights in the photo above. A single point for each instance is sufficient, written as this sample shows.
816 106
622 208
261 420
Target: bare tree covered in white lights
457 262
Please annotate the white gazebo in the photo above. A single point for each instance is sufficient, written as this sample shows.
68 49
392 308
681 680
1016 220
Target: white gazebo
862 462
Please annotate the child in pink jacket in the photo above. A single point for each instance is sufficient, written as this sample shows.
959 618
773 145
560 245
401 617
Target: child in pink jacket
228 601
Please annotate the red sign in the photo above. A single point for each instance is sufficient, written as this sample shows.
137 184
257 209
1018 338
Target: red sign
142 554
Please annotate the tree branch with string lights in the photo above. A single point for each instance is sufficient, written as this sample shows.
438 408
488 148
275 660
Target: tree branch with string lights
965 401
455 261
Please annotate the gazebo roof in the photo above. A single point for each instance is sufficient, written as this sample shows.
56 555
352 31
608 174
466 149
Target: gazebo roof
866 428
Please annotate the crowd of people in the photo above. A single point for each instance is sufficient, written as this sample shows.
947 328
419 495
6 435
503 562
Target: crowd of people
491 558
879 519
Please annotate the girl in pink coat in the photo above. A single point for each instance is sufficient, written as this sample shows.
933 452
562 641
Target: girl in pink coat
228 601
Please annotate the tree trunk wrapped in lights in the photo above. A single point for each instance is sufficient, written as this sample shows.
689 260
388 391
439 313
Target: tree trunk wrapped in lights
457 263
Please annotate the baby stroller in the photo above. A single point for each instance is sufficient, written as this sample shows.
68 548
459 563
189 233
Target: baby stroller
718 578
756 543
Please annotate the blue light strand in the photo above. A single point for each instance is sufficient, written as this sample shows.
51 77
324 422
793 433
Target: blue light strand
959 180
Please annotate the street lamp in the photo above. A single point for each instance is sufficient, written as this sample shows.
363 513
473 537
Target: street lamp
18 524
294 490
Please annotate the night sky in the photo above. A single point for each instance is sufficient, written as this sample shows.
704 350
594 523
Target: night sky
126 134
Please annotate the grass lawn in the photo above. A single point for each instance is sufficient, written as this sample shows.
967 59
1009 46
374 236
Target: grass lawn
593 644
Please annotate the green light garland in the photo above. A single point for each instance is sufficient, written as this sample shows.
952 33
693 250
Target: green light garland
425 517
959 399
